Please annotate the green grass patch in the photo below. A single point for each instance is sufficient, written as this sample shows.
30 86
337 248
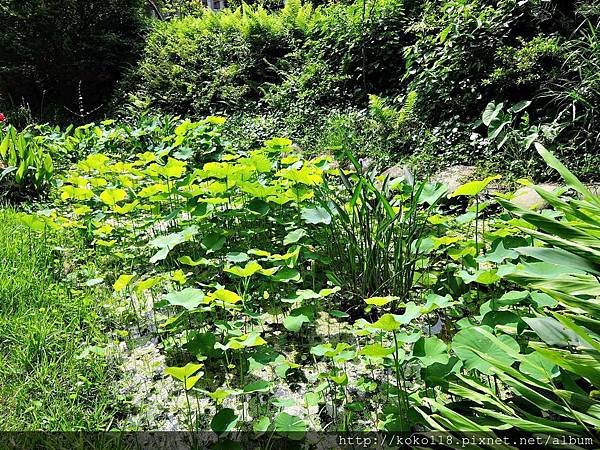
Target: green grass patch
45 325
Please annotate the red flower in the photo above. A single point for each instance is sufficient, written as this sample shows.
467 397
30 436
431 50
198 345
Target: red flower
2 117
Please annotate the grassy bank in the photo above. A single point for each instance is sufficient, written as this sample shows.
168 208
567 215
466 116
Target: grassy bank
46 324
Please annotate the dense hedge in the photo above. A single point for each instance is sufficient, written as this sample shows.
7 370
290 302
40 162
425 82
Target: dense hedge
219 61
230 61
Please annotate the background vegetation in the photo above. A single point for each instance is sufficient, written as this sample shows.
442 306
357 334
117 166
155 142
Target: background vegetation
181 263
60 59
430 68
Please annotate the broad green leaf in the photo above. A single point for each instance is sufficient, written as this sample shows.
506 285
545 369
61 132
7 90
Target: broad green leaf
259 206
188 261
122 282
290 426
316 215
112 196
585 364
179 277
190 382
431 350
540 299
294 236
306 175
560 257
485 277
182 373
380 301
491 112
328 350
473 188
189 298
376 351
435 301
499 254
213 242
510 298
237 257
221 394
536 366
223 421
294 322
245 341
520 106
387 322
257 386
552 332
261 424
467 342
411 312
566 174
286 275
250 269
226 296
173 169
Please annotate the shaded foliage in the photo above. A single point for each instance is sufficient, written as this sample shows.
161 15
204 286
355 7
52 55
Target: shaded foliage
53 52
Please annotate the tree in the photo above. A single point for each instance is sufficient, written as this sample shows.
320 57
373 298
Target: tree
55 51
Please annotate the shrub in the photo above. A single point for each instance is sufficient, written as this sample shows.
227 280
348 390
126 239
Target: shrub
351 51
218 62
26 166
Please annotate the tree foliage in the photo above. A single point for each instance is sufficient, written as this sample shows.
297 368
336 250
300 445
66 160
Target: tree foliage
53 51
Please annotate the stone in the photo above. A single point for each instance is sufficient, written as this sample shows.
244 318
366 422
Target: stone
455 176
527 198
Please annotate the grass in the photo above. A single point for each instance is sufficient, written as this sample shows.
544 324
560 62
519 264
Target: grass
45 324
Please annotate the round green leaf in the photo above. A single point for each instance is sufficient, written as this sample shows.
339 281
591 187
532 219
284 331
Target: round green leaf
223 421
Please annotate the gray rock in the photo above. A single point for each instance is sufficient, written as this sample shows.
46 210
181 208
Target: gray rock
455 176
527 198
